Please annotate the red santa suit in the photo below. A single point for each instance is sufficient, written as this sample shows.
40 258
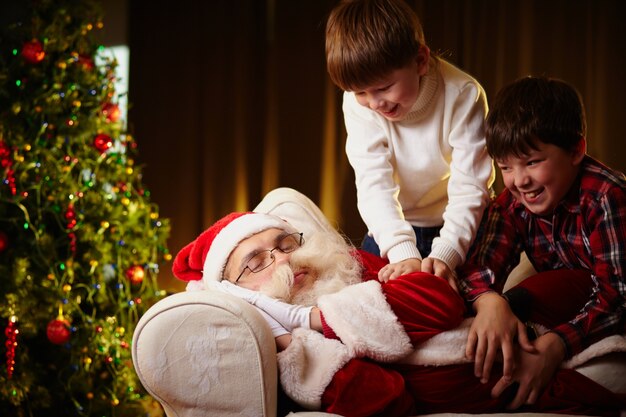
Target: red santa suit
355 368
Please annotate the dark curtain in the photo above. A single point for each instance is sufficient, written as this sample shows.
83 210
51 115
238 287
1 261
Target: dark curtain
230 99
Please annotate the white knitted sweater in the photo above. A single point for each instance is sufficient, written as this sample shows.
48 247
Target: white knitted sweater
431 168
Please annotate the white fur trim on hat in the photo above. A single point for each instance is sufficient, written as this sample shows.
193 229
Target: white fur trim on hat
229 237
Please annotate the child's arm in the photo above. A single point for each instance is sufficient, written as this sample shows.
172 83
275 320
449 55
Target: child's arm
604 238
471 174
369 152
493 255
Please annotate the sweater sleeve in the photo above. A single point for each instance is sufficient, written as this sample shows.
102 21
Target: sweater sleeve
369 153
471 174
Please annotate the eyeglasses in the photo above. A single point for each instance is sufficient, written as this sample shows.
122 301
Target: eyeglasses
262 260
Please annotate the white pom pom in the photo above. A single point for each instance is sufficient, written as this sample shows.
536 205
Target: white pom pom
195 285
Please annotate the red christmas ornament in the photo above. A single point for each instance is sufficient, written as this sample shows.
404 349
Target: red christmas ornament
11 333
135 274
102 142
72 237
5 154
33 52
7 163
86 62
70 216
58 331
111 111
4 241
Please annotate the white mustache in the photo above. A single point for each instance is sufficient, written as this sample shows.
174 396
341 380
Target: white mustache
280 284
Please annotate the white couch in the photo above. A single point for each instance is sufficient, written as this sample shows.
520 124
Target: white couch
210 354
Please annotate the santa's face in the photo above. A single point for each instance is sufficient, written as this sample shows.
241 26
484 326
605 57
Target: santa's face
324 264
272 247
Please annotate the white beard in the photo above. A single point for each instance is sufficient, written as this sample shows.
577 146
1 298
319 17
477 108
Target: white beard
329 261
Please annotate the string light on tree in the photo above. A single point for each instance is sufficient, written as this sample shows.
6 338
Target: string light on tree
111 112
135 274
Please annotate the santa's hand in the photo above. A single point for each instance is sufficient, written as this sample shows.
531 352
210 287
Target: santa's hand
232 289
249 296
289 316
277 329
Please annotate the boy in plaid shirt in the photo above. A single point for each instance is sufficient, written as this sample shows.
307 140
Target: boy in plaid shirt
567 211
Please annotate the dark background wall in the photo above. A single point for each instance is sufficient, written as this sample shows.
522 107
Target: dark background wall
230 99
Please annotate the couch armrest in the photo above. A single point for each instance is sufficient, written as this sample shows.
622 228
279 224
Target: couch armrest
206 353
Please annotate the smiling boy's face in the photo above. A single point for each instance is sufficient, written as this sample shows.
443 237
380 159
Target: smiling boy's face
541 179
394 95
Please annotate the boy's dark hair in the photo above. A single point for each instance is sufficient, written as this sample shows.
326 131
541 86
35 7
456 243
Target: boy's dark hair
534 109
367 39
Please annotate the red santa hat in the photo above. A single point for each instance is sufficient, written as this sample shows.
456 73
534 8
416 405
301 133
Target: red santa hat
205 258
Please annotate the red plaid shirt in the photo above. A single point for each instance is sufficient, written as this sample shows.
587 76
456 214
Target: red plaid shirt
586 231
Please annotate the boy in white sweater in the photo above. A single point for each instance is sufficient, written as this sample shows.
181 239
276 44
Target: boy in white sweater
415 138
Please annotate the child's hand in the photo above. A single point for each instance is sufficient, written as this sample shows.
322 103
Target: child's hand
440 268
494 330
275 327
534 371
393 271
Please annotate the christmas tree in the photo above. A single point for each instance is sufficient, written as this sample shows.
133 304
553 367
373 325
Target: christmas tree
80 240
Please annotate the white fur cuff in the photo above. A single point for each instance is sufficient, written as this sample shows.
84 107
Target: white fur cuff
445 348
308 365
360 315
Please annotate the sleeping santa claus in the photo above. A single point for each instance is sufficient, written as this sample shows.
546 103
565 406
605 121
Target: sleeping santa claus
344 337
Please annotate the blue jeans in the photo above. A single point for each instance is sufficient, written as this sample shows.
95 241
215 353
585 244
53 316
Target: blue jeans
424 236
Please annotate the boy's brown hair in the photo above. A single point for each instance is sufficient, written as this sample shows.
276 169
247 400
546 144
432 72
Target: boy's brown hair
367 39
534 109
